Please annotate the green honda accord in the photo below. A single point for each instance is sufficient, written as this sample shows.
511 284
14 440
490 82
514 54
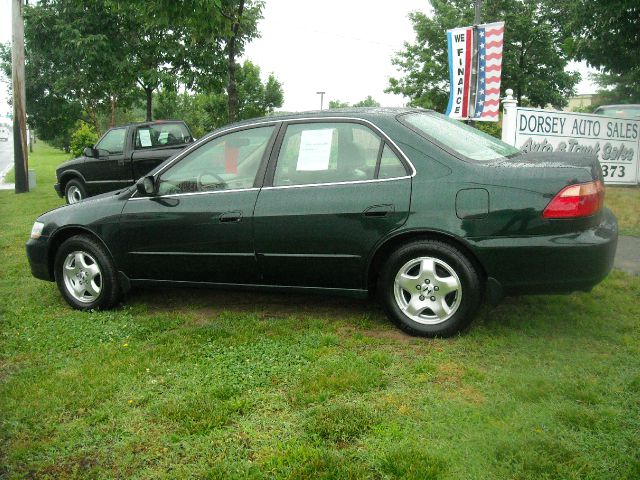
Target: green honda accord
425 213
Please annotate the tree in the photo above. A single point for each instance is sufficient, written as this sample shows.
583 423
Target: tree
88 57
154 44
203 39
242 18
337 104
204 112
73 41
533 59
606 33
367 102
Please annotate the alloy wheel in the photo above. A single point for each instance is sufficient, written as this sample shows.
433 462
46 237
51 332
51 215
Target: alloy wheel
427 290
82 276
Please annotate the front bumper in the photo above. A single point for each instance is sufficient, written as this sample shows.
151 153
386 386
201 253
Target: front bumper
551 264
38 255
58 190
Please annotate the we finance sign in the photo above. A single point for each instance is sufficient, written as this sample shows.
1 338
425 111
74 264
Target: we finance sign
614 140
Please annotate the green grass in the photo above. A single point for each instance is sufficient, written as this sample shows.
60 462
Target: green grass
10 177
204 384
625 203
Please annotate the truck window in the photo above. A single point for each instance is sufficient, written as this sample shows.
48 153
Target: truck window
112 141
161 135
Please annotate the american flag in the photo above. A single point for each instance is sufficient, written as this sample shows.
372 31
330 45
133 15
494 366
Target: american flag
489 71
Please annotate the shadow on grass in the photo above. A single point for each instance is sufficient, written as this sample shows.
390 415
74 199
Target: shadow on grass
263 304
575 315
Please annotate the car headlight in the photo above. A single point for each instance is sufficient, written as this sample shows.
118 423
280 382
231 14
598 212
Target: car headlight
36 231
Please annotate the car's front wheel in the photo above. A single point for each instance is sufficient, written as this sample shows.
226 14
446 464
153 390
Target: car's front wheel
85 274
430 289
74 191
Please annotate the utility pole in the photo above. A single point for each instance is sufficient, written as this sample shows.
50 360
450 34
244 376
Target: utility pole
321 98
20 160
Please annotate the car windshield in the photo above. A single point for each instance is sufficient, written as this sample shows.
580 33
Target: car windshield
626 111
462 139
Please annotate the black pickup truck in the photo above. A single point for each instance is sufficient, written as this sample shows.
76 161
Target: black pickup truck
121 156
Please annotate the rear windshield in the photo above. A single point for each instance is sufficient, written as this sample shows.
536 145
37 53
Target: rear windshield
458 137
162 135
626 111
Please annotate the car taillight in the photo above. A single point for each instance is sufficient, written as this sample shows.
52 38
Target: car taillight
580 200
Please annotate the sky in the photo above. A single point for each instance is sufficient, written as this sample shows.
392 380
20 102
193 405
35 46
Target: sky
341 47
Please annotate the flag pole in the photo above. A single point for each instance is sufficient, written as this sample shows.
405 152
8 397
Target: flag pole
474 63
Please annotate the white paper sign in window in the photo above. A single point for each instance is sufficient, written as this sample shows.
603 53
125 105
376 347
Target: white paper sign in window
315 150
145 138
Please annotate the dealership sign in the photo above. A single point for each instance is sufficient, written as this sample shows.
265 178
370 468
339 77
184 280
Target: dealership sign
614 140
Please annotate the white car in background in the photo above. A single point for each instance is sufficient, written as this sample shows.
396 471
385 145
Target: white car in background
627 111
4 134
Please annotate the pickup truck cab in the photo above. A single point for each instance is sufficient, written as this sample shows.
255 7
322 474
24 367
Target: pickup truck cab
121 156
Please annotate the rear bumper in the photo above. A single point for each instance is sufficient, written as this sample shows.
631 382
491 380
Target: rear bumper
58 190
551 264
38 255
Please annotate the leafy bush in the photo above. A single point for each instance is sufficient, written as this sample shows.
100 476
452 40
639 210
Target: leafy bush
83 136
492 128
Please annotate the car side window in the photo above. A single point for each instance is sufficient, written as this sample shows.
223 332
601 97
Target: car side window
390 164
225 163
113 141
326 152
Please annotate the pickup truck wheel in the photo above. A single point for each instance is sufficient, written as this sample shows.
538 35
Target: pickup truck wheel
85 274
74 191
430 289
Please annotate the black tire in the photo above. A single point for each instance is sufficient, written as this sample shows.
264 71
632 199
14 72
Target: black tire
92 252
74 191
462 303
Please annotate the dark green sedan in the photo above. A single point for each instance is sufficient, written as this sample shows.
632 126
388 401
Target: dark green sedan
427 214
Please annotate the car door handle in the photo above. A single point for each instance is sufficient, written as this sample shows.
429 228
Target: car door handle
231 217
379 210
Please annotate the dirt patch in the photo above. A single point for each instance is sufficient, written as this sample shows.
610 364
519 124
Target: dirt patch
448 373
65 469
468 394
395 335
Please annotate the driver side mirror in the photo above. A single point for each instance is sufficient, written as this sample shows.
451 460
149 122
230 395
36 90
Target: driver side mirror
89 152
146 186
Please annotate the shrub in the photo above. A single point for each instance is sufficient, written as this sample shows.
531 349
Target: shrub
83 136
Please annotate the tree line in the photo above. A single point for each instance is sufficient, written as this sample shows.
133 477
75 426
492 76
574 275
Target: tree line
110 61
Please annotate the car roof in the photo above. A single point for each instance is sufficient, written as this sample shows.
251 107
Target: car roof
366 113
147 124
620 105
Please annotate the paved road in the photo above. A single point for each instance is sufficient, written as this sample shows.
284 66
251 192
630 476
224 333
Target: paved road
628 255
6 162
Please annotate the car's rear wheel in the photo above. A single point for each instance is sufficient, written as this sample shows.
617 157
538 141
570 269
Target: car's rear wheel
430 289
85 274
74 191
